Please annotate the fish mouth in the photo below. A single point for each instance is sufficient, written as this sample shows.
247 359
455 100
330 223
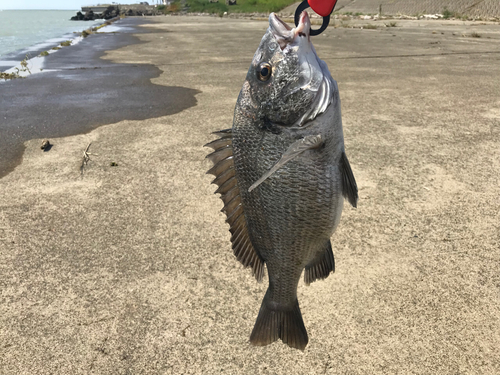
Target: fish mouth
286 35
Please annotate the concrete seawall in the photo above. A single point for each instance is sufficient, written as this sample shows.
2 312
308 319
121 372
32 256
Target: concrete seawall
470 8
459 8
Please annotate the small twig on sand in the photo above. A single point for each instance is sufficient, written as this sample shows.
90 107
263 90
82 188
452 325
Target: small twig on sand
86 157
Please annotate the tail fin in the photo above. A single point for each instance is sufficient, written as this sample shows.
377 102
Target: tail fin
286 324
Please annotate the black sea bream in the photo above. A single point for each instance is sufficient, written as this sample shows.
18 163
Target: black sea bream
283 174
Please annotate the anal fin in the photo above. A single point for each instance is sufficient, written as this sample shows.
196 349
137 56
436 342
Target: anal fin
349 187
321 267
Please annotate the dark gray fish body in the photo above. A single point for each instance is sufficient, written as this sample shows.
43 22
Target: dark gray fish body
283 175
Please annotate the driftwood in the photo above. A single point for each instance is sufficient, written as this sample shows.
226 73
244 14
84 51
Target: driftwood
86 158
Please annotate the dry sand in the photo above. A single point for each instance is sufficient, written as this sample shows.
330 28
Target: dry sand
128 269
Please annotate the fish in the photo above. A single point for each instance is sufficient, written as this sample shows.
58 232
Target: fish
283 175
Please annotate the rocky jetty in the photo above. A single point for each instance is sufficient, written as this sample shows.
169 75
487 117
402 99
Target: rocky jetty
110 12
113 11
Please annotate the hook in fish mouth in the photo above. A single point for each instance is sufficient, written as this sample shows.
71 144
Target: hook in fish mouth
284 34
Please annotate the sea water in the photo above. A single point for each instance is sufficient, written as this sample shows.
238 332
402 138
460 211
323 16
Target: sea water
31 30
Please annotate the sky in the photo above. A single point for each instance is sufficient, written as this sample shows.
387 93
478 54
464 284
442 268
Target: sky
44 4
57 4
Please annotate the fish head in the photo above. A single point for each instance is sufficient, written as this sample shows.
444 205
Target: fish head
286 76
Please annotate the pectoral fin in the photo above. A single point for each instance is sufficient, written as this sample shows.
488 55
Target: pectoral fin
349 187
307 143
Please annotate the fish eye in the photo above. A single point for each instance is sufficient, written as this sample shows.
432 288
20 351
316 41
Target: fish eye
264 71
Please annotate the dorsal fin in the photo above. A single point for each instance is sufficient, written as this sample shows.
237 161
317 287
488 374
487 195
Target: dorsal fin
225 179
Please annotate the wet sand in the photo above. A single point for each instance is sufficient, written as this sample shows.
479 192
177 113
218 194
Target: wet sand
78 91
128 269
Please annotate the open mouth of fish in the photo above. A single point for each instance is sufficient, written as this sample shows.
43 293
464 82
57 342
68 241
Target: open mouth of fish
285 35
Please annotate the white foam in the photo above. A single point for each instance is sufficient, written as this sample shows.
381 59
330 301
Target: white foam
34 65
109 29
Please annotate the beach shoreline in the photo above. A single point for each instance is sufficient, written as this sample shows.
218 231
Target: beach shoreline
20 39
27 61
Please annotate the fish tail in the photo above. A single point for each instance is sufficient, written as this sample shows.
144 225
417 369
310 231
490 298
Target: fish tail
276 322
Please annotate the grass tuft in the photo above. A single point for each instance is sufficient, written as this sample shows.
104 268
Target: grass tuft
24 68
241 6
7 76
172 8
447 13
204 6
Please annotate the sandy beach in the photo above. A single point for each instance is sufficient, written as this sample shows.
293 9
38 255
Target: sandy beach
128 269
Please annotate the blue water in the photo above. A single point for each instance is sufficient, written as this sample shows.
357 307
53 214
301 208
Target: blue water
29 30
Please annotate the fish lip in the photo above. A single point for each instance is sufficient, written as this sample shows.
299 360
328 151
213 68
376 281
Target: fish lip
285 34
279 26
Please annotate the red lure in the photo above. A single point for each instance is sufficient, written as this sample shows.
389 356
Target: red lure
322 7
